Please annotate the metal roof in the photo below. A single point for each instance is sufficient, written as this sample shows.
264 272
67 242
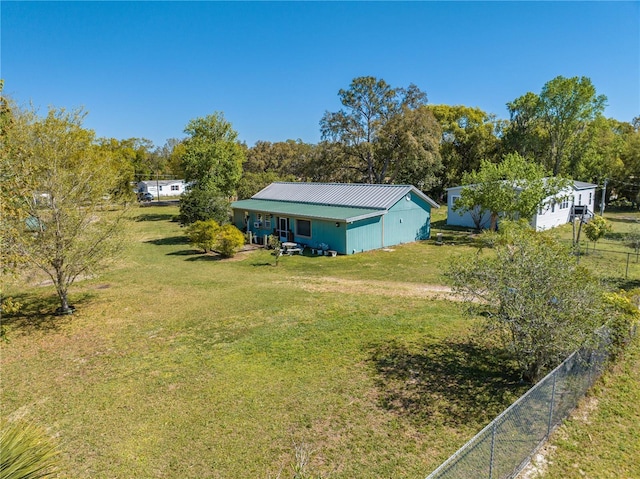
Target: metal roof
581 185
355 195
577 185
303 210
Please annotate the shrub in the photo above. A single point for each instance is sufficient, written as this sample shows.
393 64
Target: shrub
203 234
26 452
203 204
229 240
624 317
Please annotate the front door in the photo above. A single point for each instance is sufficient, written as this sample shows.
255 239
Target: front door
283 229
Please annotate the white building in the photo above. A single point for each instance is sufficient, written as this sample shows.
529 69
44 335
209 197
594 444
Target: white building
163 187
554 212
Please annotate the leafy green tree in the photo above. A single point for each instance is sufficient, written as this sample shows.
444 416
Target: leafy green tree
329 163
251 183
533 296
212 156
551 120
198 204
286 159
136 152
524 133
469 135
596 229
597 152
170 155
514 188
57 181
366 131
630 156
212 162
410 143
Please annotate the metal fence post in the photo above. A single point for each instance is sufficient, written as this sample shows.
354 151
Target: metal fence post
553 397
626 273
493 444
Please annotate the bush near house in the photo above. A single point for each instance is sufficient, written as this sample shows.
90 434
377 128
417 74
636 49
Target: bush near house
210 236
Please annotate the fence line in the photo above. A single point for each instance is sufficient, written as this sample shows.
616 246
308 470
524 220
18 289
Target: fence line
505 446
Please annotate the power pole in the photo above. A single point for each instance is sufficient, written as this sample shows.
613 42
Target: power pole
604 194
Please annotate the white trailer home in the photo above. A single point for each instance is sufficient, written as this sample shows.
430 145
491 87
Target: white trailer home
161 187
556 211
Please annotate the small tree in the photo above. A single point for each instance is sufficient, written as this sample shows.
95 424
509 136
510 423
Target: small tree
203 234
275 244
514 188
55 178
596 229
533 295
229 240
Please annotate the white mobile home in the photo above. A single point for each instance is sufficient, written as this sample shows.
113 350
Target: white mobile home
554 212
161 187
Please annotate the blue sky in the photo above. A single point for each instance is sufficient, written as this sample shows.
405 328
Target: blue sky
144 69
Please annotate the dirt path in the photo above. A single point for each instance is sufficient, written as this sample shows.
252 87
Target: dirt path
328 284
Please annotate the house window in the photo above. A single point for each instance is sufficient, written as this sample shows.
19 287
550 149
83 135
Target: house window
589 198
453 200
303 228
553 206
160 187
175 188
267 221
579 199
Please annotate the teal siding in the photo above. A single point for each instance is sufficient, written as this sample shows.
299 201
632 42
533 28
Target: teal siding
407 221
364 235
326 232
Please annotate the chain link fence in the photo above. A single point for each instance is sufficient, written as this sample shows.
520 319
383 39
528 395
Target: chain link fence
504 447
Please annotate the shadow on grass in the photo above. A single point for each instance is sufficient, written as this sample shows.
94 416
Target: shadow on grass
622 283
170 241
155 217
200 256
454 383
616 236
38 313
185 252
623 219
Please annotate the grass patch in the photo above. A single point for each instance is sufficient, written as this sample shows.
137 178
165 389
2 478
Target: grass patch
602 438
176 368
178 364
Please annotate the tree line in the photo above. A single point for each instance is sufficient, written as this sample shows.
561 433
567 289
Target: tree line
386 134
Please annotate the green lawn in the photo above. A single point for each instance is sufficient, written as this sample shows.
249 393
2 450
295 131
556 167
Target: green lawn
602 439
180 365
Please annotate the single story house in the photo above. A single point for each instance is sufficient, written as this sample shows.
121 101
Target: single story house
555 211
161 187
346 218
